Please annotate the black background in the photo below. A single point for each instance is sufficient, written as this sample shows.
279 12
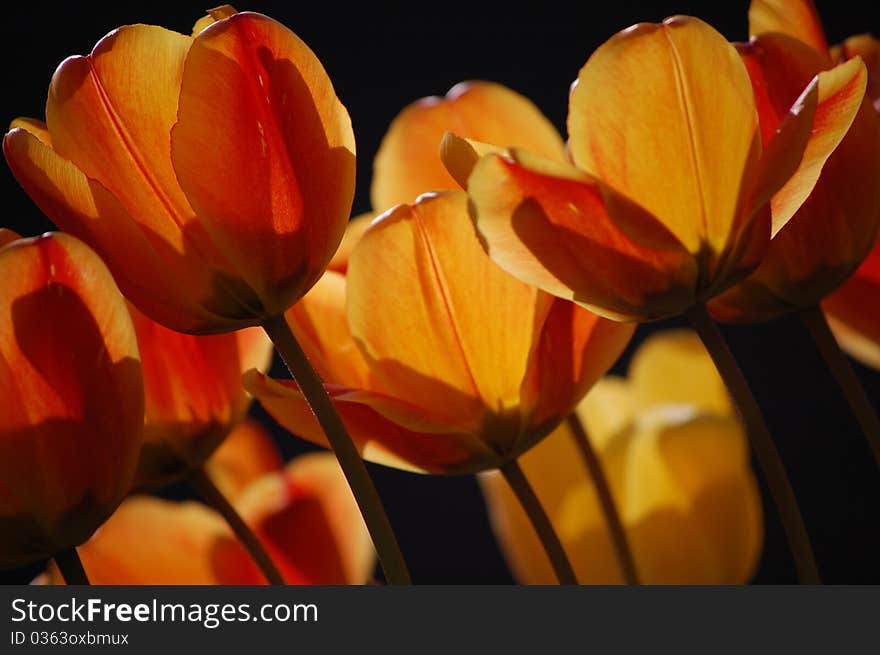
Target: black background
383 56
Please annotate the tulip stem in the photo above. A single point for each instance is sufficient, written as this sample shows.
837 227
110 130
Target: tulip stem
209 492
368 500
762 444
616 530
846 377
71 567
540 521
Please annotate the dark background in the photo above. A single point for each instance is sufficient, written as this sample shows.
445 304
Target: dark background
383 56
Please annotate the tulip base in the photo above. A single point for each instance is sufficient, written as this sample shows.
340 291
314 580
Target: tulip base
353 467
845 376
71 568
761 442
619 542
518 482
209 492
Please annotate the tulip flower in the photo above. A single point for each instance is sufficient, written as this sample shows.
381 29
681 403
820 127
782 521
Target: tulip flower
408 161
799 19
666 201
514 361
194 394
214 173
831 233
678 465
153 541
836 228
851 314
72 396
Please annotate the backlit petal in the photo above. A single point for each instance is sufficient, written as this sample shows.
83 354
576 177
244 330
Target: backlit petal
246 455
797 18
673 367
275 192
689 503
440 293
852 312
561 230
320 323
310 523
194 393
840 94
644 118
353 233
422 447
408 162
460 155
576 348
85 208
72 396
150 541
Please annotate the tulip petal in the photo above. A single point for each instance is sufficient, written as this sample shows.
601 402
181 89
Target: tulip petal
868 48
111 114
150 541
689 503
440 293
320 323
796 18
72 396
459 156
644 117
829 218
408 165
194 393
406 440
33 126
8 236
84 207
286 156
576 348
246 455
852 312
563 231
673 367
353 233
840 94
310 498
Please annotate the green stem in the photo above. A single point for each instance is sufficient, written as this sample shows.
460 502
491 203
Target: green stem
762 444
540 521
71 567
209 492
368 500
846 377
616 530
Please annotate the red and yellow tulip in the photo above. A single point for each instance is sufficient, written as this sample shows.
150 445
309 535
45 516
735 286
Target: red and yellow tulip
194 394
437 360
667 200
214 173
71 396
677 463
303 513
832 232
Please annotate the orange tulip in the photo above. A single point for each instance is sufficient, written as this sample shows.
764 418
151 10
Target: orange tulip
678 468
849 309
667 201
304 514
408 161
512 361
214 173
799 19
852 312
834 229
71 396
194 394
